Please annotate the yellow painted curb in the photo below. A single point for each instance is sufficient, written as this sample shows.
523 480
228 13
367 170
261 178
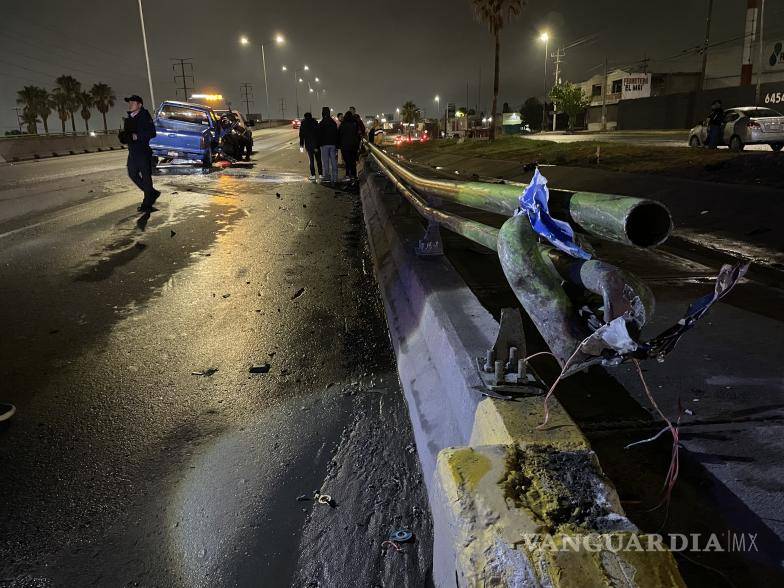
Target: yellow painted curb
497 542
504 422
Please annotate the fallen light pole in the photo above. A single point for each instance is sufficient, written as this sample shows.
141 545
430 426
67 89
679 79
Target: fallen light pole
534 268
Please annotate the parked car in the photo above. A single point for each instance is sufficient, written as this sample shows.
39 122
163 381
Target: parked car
746 125
186 131
295 123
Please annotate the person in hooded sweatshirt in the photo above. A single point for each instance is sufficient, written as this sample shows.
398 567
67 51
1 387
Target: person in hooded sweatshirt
327 133
308 140
348 141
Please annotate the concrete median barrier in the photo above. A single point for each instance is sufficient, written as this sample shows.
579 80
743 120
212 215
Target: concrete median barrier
40 146
512 504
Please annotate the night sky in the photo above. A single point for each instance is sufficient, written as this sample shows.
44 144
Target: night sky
373 54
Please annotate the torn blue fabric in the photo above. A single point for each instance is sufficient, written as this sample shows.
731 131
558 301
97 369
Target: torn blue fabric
533 203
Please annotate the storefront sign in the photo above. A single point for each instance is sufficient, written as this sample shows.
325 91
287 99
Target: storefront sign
636 86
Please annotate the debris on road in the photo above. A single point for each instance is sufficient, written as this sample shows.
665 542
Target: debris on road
401 536
277 194
172 234
226 295
206 373
303 498
298 293
260 369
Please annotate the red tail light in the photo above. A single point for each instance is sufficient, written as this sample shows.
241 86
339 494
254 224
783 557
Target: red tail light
752 124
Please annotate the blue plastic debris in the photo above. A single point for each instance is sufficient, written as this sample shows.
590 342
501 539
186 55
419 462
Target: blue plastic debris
400 536
534 203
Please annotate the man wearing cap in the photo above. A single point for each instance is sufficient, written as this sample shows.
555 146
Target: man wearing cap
138 130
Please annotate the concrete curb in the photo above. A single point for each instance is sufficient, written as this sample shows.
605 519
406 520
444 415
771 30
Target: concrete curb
38 147
505 496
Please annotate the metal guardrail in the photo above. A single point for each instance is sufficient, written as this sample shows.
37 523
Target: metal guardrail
536 270
66 134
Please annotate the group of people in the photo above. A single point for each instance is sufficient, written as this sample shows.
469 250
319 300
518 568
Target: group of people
323 139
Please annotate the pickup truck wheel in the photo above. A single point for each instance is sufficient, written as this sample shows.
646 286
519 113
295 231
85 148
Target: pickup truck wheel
206 161
776 146
736 144
694 141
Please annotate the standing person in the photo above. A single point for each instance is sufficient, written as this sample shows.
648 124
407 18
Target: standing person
360 124
327 134
340 121
715 124
138 130
308 139
348 141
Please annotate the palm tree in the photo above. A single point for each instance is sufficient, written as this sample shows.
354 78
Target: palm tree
44 107
103 99
410 114
495 14
86 102
61 102
30 118
28 98
71 88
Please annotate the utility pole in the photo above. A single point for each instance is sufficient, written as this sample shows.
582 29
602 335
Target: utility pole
282 109
266 87
705 46
559 53
479 92
183 77
146 53
544 104
644 63
18 110
247 96
761 45
604 97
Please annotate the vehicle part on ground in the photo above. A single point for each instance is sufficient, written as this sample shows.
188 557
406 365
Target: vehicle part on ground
401 536
631 221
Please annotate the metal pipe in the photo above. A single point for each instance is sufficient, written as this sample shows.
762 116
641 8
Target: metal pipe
538 288
632 221
473 230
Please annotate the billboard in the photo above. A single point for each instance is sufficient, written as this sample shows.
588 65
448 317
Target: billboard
636 85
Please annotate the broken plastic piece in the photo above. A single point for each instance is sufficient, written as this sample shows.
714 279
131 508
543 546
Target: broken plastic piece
260 369
534 203
207 373
401 536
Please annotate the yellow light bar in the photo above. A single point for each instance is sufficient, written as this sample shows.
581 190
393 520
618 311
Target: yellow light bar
209 97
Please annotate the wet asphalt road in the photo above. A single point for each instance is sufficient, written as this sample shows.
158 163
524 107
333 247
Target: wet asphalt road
122 467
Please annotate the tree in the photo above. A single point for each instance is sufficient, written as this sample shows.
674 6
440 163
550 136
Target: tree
103 99
30 119
410 114
60 102
71 88
570 99
28 98
86 102
44 107
532 113
495 14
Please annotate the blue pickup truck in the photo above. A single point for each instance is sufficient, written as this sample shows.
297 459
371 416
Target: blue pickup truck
186 131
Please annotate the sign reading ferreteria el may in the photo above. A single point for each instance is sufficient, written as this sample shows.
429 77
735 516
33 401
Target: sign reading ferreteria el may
636 85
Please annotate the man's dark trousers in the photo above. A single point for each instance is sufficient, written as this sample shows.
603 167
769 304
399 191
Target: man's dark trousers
315 154
140 172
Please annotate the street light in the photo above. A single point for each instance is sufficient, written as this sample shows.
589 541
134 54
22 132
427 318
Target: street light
545 37
279 40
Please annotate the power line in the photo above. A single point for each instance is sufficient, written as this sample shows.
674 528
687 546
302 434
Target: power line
183 77
247 96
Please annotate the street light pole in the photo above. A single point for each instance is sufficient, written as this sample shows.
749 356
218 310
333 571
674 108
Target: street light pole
146 54
266 88
761 44
545 37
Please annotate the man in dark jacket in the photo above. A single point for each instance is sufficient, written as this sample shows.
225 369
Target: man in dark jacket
138 130
327 134
308 140
348 141
715 124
